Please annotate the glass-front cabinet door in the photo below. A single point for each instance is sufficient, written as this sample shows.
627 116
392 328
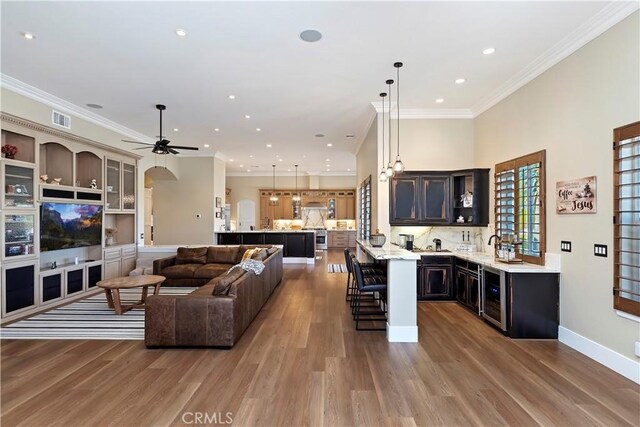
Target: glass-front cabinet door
18 186
128 186
113 185
19 235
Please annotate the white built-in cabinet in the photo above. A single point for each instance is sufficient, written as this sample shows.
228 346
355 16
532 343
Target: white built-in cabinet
51 165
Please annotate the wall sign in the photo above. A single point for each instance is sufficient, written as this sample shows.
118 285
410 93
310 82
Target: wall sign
576 196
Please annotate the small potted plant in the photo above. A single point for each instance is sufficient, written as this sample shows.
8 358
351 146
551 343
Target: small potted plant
110 232
9 151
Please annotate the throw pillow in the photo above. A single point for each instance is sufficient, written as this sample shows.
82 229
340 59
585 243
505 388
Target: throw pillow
259 254
191 255
223 283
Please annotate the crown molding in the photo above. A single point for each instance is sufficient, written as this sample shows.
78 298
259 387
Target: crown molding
430 113
609 16
364 131
60 104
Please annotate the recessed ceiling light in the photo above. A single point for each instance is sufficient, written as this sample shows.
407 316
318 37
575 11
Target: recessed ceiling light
311 35
440 100
488 51
327 160
181 32
350 136
247 116
207 146
258 129
328 170
251 156
279 160
248 170
460 81
176 129
28 36
328 165
231 160
348 169
277 155
217 129
241 166
96 106
329 145
231 97
288 170
269 145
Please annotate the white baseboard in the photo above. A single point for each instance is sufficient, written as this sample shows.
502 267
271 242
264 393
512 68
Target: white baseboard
615 361
402 333
298 260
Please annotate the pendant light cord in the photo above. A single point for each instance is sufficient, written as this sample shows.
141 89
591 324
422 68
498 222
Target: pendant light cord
383 95
398 102
389 82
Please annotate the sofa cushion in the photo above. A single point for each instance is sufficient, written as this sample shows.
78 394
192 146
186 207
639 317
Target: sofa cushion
204 290
209 271
182 271
191 255
223 283
272 250
222 254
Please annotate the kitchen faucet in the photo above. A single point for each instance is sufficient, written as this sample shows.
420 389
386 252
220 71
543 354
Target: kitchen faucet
497 239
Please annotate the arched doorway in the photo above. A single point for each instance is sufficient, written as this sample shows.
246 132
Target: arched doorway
151 175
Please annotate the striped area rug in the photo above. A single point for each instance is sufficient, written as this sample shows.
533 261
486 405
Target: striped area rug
89 318
337 268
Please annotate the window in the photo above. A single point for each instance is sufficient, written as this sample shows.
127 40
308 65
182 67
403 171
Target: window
519 205
626 228
364 216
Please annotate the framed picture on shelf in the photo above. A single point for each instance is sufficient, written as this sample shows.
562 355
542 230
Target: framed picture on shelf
218 202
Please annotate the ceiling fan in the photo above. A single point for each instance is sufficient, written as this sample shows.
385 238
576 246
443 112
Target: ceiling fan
162 145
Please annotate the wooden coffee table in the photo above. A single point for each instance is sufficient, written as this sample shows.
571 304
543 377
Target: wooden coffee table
112 290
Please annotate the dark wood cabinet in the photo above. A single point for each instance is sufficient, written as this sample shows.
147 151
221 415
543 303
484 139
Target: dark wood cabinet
404 199
296 244
434 199
434 278
467 285
533 305
440 198
229 239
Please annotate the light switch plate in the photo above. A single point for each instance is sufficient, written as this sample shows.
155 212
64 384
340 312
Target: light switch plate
565 246
600 250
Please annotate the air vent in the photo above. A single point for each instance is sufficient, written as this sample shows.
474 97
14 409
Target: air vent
61 120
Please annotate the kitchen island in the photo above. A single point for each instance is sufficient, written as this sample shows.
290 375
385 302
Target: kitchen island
299 245
402 303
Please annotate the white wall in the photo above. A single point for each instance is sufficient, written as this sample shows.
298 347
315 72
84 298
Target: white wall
367 165
177 204
570 111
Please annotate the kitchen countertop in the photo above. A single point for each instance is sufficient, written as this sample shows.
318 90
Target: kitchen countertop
489 260
387 251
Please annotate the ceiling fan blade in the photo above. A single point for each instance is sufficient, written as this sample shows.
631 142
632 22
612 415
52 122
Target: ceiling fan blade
181 147
134 142
172 151
142 148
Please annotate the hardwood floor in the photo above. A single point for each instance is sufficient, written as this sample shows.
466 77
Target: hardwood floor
302 363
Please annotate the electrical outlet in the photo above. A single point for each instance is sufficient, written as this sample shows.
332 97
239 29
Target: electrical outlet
600 250
565 246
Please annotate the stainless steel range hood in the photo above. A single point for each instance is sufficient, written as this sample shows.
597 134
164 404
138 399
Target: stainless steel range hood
314 205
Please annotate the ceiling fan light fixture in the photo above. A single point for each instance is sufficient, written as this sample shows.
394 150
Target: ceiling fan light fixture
180 32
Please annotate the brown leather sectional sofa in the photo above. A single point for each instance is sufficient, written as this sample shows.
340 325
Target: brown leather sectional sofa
217 313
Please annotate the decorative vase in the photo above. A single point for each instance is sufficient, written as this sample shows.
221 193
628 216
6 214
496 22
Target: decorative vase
109 241
8 156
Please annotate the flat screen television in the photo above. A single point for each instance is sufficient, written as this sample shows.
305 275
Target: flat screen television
69 225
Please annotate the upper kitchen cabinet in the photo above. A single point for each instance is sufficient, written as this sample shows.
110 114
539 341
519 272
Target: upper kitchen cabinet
470 197
440 198
404 200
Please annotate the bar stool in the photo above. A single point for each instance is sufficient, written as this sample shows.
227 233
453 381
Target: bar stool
368 285
368 269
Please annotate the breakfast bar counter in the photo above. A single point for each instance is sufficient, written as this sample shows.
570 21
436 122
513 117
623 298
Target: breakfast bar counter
402 302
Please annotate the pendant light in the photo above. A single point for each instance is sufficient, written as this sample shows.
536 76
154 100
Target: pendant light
398 166
389 170
274 198
296 196
383 175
